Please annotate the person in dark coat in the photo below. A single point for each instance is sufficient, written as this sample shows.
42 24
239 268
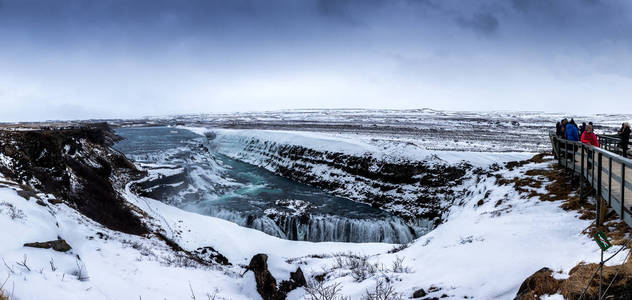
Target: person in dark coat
582 128
571 132
558 130
624 135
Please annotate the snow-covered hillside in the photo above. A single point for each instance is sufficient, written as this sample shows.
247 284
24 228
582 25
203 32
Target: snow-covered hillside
413 183
495 233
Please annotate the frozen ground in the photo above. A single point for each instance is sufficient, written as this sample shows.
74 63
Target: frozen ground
491 239
501 131
482 251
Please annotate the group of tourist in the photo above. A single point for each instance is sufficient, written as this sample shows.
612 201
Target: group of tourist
569 130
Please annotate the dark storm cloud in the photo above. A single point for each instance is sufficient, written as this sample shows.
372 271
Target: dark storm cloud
485 23
69 57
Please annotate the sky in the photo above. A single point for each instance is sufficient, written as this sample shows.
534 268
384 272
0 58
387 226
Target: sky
80 59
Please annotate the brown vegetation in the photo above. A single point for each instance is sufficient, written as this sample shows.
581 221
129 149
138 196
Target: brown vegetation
542 283
538 284
621 288
559 187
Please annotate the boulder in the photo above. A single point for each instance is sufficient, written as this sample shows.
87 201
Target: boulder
538 284
297 279
57 245
266 283
419 293
210 255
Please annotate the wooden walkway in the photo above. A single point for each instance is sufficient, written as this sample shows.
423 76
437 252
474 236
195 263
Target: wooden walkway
609 173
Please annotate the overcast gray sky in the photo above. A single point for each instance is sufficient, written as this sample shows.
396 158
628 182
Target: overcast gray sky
81 59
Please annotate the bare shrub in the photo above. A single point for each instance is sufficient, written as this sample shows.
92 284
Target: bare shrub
10 210
52 265
316 290
140 246
359 265
179 260
80 272
214 295
398 248
3 294
383 291
361 269
24 264
399 266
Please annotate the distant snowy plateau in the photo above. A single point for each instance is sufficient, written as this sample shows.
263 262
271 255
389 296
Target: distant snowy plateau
419 203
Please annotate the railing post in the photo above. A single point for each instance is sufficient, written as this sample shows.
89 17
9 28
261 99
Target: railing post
559 152
599 202
622 189
566 154
581 177
609 180
574 160
592 176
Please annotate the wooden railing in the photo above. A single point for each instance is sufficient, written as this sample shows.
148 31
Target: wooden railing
608 173
610 143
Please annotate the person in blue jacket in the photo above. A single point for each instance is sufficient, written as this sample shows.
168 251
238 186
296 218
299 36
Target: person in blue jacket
571 133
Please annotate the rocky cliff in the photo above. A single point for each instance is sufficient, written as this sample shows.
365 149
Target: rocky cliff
78 167
412 190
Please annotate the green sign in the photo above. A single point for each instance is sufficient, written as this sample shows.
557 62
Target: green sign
602 241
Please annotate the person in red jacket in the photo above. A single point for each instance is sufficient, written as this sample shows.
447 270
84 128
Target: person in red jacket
589 137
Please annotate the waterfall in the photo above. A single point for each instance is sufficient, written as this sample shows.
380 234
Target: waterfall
326 228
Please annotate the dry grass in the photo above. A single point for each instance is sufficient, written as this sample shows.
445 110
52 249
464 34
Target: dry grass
540 283
558 185
572 287
538 158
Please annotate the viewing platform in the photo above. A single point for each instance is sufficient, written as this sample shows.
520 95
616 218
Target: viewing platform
604 169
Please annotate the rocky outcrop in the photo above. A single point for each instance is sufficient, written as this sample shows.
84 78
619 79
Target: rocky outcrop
209 254
76 165
267 284
57 245
542 283
539 284
409 189
419 293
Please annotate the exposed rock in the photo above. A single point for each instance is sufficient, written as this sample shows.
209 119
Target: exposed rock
297 279
57 245
204 255
211 255
27 194
419 293
75 165
538 284
266 283
55 201
411 190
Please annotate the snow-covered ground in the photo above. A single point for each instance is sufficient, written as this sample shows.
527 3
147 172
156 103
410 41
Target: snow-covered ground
360 145
481 251
486 131
492 236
